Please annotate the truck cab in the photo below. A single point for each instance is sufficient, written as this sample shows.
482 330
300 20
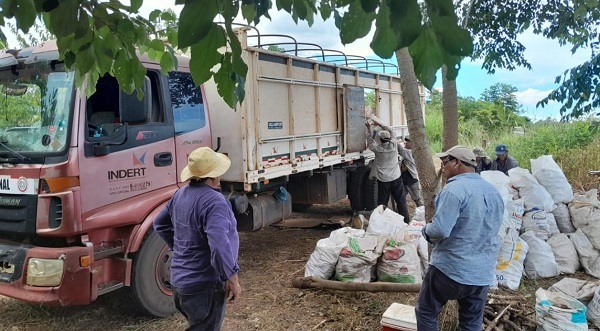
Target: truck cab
82 178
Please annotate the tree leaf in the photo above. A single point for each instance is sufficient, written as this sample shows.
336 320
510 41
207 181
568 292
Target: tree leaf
85 58
135 5
454 39
157 45
103 54
355 23
166 62
385 41
25 13
226 81
406 20
369 6
325 10
205 54
300 9
193 27
285 5
154 15
427 57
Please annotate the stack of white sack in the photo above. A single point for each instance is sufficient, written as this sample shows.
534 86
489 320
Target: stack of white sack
322 261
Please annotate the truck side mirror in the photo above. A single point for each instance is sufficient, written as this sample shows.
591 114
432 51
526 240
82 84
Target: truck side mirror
135 111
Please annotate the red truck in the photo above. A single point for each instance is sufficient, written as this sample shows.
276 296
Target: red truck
81 179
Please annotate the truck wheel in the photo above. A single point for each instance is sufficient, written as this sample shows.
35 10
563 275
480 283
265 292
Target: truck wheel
150 279
355 188
369 190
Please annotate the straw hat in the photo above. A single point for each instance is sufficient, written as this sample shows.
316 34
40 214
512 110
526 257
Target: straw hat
205 163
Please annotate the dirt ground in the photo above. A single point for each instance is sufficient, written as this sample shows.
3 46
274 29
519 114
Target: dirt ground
269 259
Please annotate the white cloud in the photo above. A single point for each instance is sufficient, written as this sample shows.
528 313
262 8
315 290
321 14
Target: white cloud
530 97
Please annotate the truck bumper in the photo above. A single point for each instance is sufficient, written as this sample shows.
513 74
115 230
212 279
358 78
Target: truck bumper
74 288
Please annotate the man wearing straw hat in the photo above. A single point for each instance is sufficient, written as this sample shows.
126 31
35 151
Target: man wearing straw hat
464 234
199 226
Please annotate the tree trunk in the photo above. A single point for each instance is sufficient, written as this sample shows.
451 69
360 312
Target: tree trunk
449 112
416 127
313 282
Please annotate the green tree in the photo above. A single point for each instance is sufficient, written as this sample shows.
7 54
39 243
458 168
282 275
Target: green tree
503 95
275 48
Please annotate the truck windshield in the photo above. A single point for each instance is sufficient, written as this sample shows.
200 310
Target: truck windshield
35 103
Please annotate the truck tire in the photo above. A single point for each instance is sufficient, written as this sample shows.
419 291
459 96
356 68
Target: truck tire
355 188
369 190
150 284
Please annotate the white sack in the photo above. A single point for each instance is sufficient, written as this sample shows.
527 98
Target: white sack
357 259
501 182
539 262
552 227
593 312
582 290
552 178
515 209
399 263
413 234
509 268
564 253
534 194
588 255
385 222
537 222
420 214
322 261
563 218
585 208
558 312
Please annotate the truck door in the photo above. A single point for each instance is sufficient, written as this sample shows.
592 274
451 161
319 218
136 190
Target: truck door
128 148
354 119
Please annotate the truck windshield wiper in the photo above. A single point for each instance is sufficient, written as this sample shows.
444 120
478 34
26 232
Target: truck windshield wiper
15 153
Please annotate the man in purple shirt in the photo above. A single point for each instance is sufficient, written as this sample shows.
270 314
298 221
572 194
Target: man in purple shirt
199 226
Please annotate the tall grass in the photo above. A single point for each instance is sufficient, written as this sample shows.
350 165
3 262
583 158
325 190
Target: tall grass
575 146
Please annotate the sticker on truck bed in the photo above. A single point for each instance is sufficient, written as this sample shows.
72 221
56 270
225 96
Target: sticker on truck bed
275 125
19 185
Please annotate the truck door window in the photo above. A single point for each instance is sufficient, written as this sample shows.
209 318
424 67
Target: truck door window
106 119
187 103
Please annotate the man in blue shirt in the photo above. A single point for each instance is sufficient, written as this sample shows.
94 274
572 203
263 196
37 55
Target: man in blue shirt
199 226
464 234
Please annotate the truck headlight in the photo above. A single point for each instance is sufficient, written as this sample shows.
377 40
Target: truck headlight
45 272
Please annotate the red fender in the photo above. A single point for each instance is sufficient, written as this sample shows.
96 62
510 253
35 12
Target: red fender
140 230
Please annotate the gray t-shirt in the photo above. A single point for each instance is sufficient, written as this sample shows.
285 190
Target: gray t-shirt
385 166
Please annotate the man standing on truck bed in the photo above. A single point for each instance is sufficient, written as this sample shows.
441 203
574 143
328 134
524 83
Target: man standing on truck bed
199 226
386 167
464 234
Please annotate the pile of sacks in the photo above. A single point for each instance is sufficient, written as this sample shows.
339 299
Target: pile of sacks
546 230
388 251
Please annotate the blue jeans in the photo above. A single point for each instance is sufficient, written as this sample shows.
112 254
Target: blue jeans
437 289
203 305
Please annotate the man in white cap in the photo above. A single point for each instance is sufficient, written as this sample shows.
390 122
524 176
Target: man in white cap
464 234
386 168
199 226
